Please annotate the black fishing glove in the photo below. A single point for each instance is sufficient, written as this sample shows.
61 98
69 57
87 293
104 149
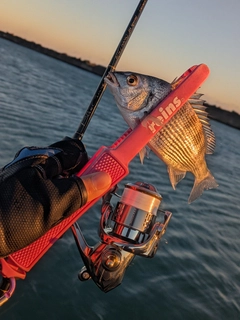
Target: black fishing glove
33 196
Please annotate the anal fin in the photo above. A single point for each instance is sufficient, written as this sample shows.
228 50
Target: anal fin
175 176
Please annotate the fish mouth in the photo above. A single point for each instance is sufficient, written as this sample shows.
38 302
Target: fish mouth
111 80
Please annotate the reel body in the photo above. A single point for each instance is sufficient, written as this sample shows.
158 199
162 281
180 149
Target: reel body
129 229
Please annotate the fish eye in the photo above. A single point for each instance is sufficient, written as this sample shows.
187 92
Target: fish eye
132 80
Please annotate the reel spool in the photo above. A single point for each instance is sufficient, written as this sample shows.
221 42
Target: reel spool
136 212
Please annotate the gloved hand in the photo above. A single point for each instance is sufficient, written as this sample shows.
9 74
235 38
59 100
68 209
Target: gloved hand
72 157
38 190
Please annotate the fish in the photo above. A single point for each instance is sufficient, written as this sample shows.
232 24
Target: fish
183 142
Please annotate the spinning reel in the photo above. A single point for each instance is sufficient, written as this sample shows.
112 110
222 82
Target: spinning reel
125 231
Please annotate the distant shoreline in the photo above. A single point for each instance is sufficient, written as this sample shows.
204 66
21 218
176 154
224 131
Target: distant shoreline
230 118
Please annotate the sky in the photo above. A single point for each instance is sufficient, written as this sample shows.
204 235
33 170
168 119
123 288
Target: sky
170 37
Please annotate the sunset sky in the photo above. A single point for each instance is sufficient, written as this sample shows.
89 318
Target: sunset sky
171 36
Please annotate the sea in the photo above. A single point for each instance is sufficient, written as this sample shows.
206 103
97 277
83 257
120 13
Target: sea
195 274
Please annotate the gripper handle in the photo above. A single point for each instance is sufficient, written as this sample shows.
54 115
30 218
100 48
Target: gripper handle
114 160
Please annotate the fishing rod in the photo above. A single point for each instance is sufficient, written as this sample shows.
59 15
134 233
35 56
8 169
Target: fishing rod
111 67
11 269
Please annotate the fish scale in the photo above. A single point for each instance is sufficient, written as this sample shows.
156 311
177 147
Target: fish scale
169 144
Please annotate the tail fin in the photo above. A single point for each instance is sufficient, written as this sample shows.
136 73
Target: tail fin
199 186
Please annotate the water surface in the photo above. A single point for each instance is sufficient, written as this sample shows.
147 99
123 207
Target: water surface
196 271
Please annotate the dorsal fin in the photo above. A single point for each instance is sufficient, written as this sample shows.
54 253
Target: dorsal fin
199 108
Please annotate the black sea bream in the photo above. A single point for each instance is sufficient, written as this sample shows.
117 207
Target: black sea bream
184 140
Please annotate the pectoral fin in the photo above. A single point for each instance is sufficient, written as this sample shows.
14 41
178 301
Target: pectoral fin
144 153
175 176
